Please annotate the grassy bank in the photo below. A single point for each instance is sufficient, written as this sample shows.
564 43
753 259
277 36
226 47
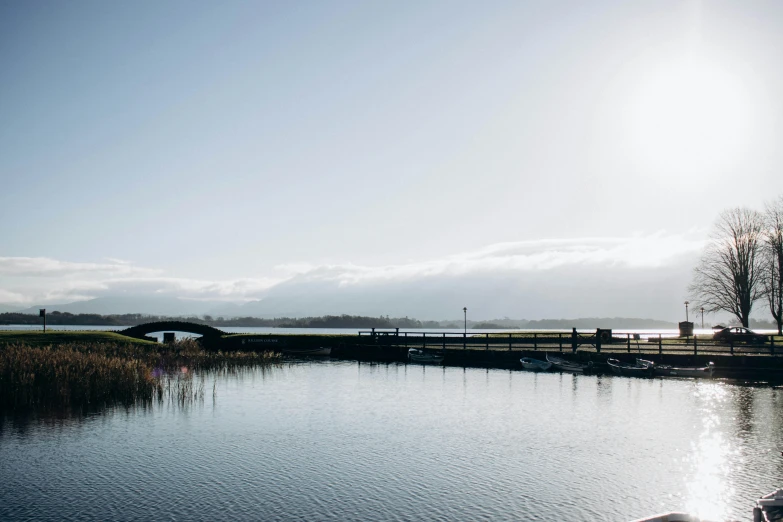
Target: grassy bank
56 337
88 376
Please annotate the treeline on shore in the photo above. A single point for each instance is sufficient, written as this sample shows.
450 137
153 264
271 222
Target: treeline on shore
327 321
343 321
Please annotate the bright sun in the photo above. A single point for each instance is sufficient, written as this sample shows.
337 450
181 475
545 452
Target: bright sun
690 118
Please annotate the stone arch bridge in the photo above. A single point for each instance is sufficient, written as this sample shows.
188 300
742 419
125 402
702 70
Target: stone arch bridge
140 331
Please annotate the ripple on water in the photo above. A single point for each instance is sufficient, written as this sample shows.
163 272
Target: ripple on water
349 441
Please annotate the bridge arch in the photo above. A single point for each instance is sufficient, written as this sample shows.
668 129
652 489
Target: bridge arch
141 330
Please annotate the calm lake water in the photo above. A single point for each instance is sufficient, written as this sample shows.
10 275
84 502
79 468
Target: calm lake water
331 440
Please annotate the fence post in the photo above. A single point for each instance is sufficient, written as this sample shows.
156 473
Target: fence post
695 348
509 342
629 342
464 341
406 339
597 343
660 345
535 341
731 346
772 345
424 340
560 340
487 347
444 340
574 341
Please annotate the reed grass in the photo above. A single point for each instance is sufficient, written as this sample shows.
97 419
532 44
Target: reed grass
56 337
89 376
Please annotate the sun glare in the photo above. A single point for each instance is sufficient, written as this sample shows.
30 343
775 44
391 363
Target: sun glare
691 118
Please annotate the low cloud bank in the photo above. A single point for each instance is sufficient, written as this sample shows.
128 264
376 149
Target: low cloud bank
635 276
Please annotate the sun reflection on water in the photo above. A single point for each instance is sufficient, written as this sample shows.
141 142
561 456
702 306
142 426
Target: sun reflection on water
708 487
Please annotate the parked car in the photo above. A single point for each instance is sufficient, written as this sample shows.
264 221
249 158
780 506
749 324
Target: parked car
739 334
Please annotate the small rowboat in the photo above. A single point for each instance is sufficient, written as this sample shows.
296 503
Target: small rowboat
769 507
631 370
564 365
306 352
664 370
698 373
420 356
674 516
535 364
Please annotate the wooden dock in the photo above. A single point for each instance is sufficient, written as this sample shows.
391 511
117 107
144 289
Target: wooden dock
599 341
504 349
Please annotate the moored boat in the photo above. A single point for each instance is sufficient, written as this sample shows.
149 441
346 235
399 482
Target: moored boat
535 364
564 365
704 372
674 516
421 356
769 507
631 370
319 351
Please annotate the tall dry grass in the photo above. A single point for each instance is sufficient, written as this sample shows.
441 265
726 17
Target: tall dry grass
87 377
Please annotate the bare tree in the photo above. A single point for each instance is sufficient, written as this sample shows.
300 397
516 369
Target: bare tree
729 275
772 277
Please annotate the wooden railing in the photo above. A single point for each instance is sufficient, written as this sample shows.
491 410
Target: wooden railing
640 342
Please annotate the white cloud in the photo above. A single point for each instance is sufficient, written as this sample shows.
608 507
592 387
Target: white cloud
47 267
27 280
648 251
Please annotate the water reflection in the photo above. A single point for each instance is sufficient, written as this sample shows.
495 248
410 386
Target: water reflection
180 392
743 400
709 492
343 441
603 388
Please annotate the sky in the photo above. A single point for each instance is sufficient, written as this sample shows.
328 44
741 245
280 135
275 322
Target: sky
523 159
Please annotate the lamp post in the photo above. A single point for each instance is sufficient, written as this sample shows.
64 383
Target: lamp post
465 331
702 318
686 310
42 313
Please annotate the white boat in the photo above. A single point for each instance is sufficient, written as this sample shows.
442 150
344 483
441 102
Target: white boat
698 373
564 365
674 516
774 499
535 364
640 368
320 351
769 507
420 356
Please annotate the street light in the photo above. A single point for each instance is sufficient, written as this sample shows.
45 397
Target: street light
702 318
686 310
465 311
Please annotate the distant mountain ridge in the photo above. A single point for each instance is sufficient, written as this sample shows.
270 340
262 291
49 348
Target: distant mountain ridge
168 306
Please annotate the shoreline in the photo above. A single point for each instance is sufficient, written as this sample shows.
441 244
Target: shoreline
477 351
